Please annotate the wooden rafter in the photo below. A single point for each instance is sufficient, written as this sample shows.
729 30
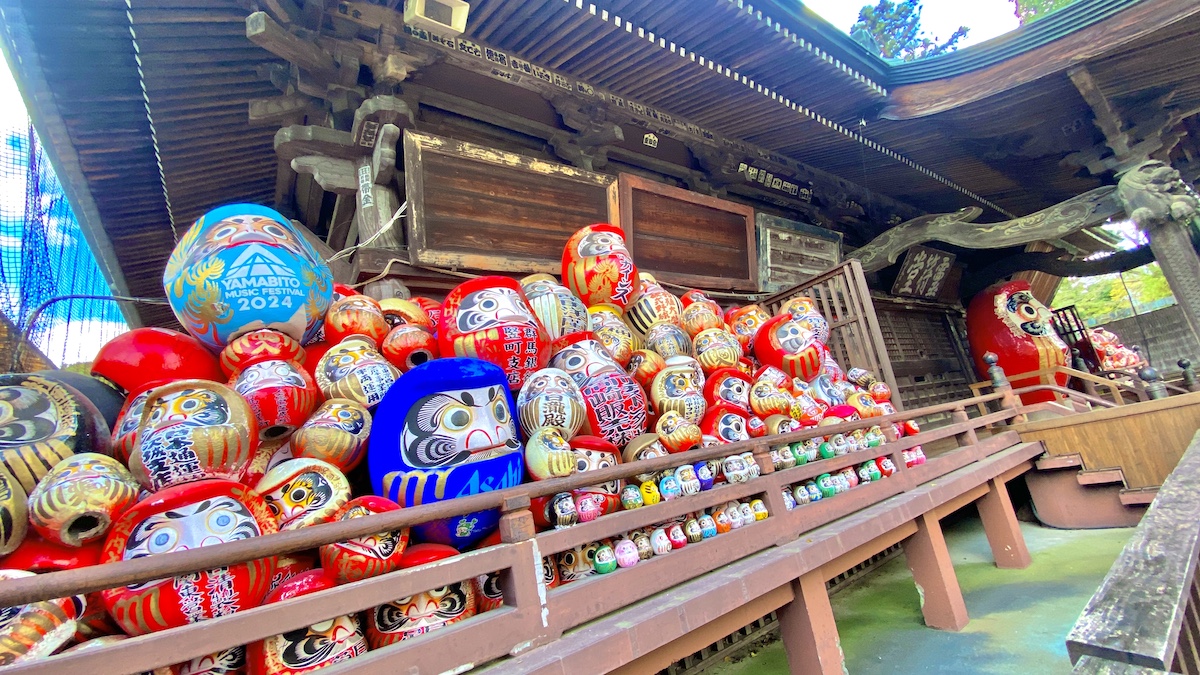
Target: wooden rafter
1137 22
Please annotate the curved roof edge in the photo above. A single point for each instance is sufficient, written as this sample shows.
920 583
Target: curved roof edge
1081 14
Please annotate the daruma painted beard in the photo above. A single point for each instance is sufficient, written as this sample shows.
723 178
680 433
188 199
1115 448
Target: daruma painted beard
446 430
597 267
489 318
423 612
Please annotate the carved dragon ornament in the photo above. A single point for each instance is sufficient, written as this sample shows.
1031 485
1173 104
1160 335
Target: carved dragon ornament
1086 210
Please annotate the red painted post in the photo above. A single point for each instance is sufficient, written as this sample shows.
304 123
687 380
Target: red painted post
808 629
1002 528
929 560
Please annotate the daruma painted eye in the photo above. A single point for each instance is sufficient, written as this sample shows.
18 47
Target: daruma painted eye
456 418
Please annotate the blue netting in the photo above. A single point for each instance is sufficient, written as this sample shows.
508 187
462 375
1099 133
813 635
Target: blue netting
43 255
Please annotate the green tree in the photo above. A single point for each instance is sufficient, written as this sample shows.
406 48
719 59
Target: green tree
1100 297
896 29
1028 11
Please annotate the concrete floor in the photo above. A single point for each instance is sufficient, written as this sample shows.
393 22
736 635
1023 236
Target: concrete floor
1019 618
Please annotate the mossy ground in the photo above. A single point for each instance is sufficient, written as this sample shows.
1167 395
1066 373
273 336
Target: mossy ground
1019 618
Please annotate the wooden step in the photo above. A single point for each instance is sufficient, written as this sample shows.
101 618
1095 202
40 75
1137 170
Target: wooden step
1101 476
1138 496
1049 462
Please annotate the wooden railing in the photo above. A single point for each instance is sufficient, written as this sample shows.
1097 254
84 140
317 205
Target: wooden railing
842 295
1117 386
530 616
1145 613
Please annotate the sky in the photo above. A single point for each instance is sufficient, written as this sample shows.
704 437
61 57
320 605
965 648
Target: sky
939 18
90 324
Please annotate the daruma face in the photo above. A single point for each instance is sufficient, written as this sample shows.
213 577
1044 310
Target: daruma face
597 267
192 430
186 517
1010 322
453 427
550 398
418 614
488 318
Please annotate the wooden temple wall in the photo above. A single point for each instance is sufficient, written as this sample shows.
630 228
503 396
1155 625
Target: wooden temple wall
499 164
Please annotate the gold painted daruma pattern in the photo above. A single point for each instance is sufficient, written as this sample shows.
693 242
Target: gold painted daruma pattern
41 424
14 521
190 430
77 501
38 629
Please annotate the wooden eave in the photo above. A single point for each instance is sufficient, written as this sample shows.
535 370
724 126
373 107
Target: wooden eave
153 96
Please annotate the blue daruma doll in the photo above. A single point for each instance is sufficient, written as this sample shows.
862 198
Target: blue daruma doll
446 429
243 267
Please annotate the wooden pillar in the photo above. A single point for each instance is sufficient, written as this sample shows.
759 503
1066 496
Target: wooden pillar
1002 528
929 560
1172 247
808 629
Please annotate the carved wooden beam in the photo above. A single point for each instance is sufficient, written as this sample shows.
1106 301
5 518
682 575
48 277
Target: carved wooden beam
1107 119
265 32
333 175
276 109
1051 263
1087 210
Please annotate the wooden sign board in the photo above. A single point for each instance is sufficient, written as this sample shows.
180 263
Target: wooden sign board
475 207
923 273
791 252
687 238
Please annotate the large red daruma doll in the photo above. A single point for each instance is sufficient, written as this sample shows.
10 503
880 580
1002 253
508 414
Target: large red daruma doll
1006 319
489 318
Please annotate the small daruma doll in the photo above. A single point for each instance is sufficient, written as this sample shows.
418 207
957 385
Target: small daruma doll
1008 321
715 348
550 398
597 267
558 310
782 342
652 304
447 430
744 323
204 513
191 430
302 492
677 387
488 318
311 647
243 267
281 394
355 369
337 433
418 614
368 556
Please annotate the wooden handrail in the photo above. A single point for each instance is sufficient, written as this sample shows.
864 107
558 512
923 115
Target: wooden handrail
1115 388
87 579
1137 614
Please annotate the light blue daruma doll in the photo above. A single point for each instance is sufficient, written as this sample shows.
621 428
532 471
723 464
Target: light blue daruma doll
244 267
445 429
